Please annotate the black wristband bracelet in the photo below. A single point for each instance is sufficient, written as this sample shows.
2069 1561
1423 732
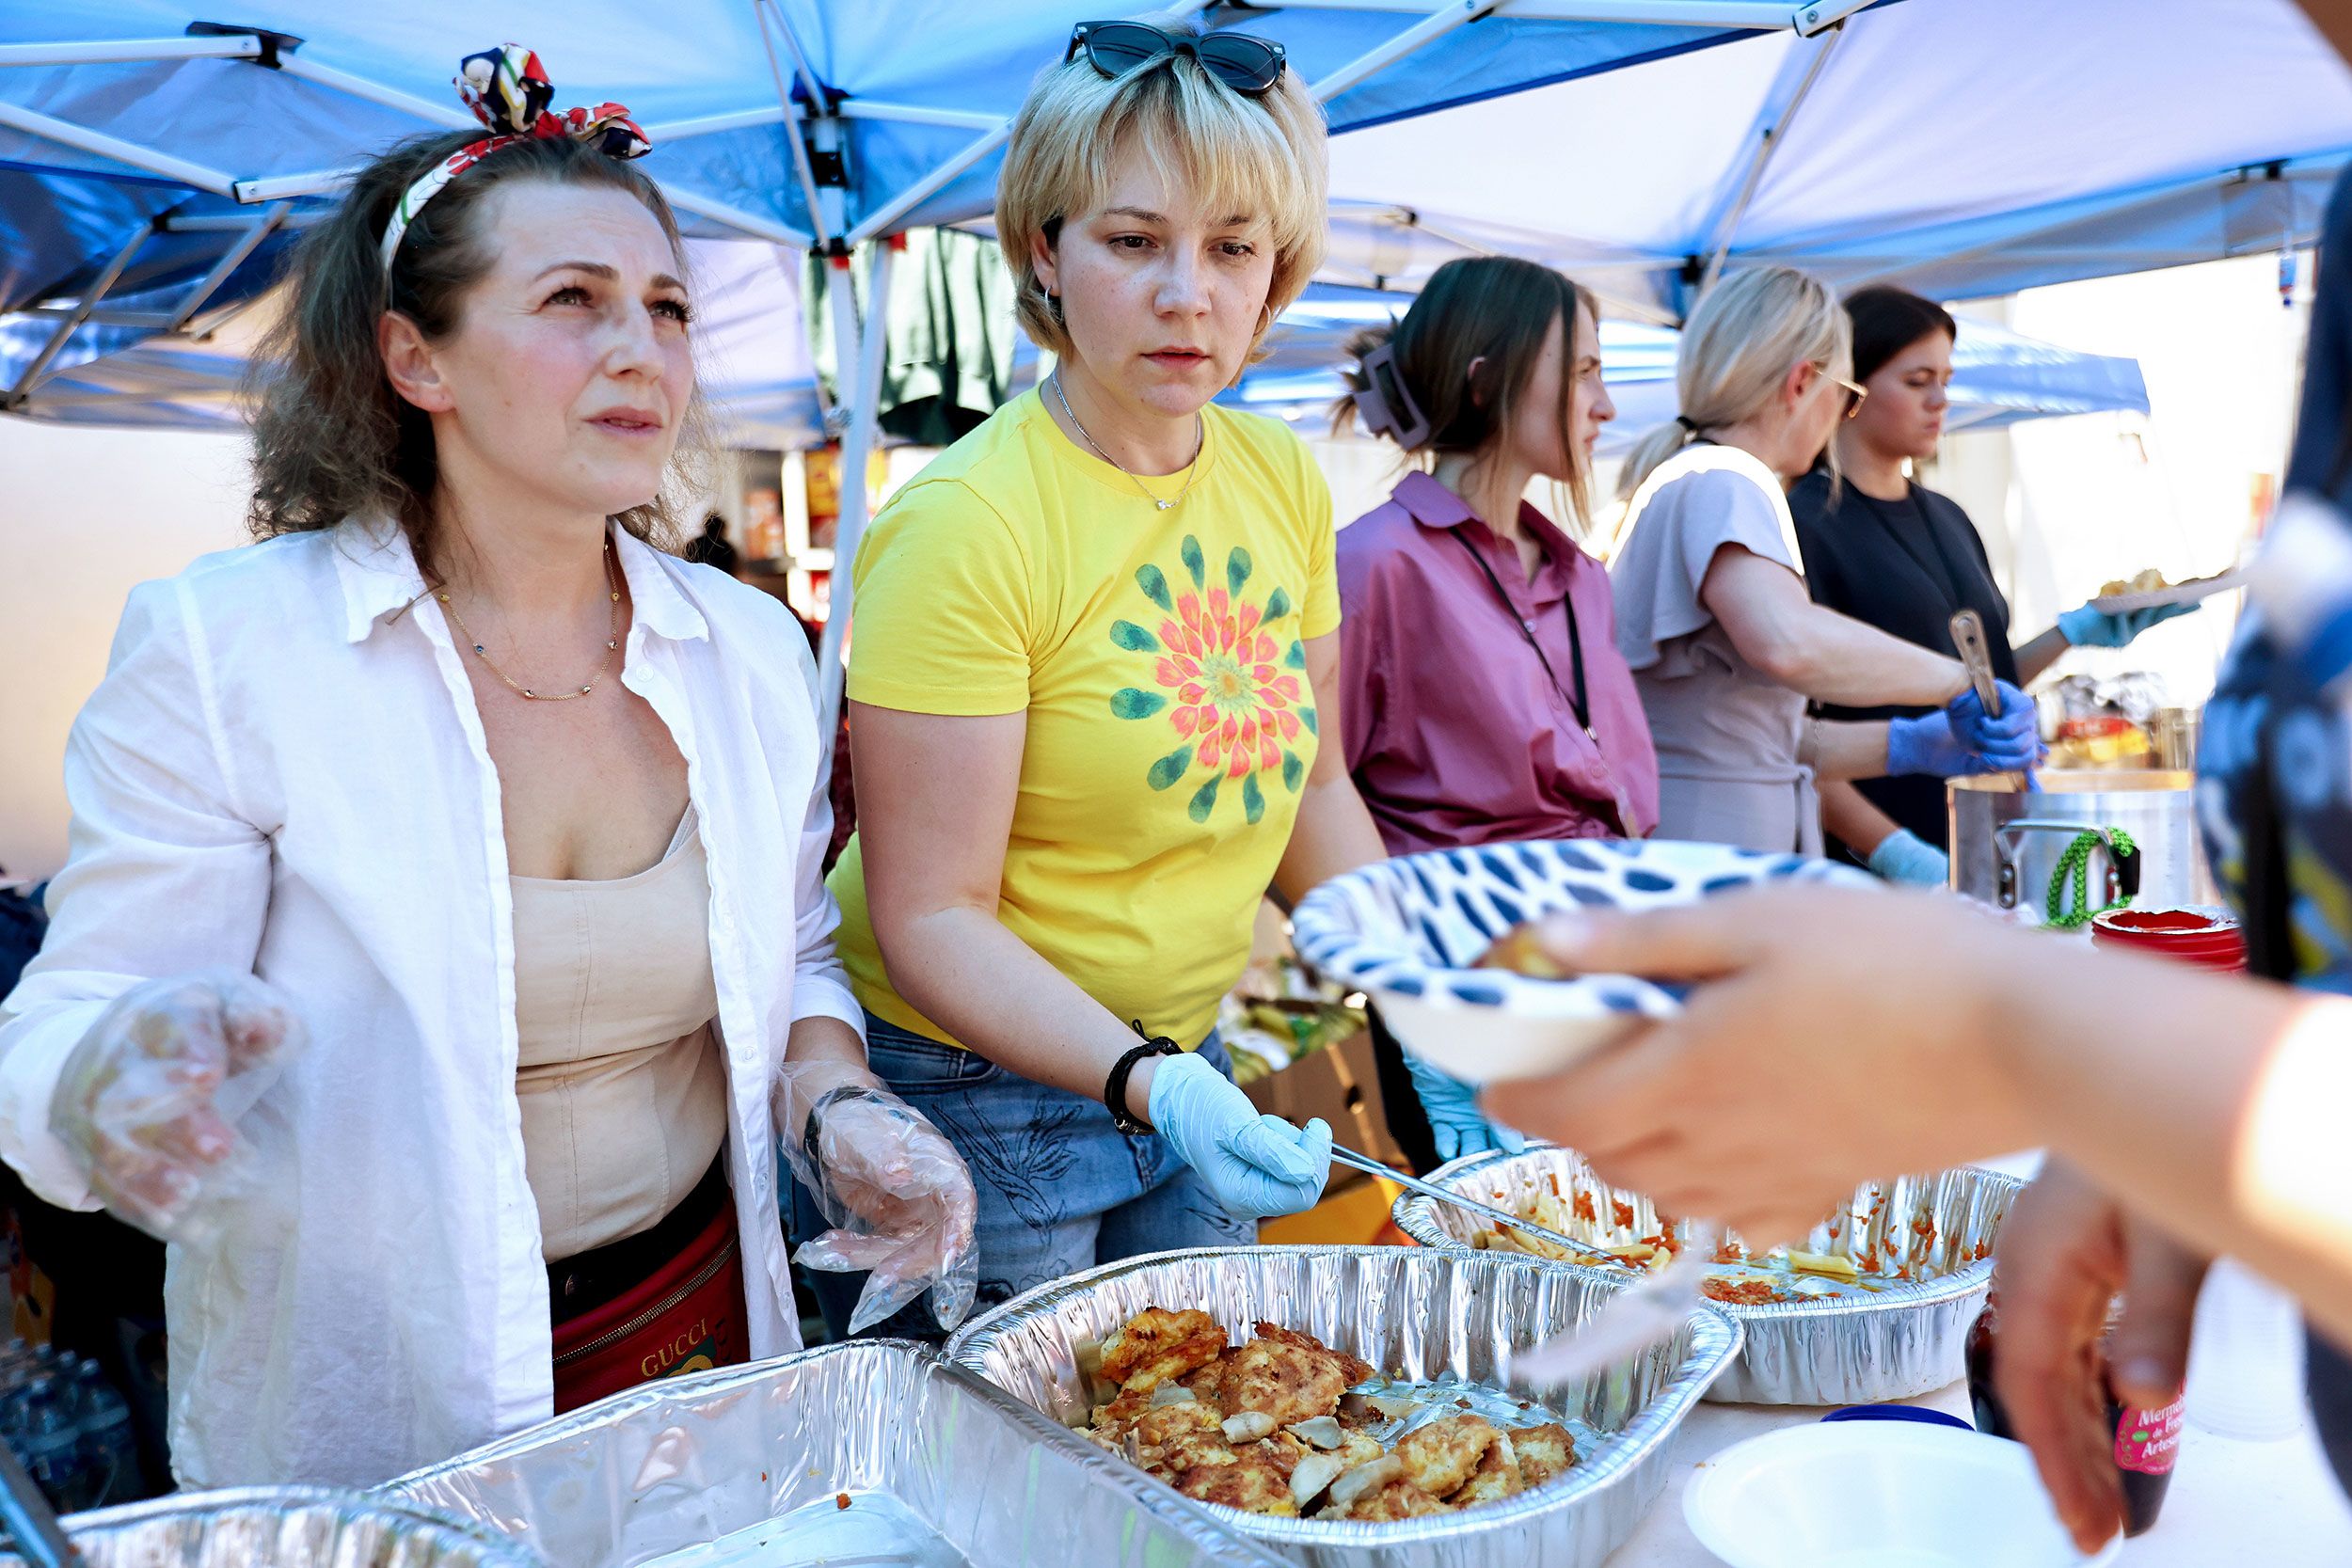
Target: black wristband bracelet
1115 1086
816 1114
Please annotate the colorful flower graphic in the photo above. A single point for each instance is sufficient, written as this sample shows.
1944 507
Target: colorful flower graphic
1237 699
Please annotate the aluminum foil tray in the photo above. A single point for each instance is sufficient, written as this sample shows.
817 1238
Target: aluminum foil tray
1906 1339
1424 1316
663 1472
283 1527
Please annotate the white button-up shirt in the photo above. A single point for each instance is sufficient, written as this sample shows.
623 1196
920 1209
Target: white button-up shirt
284 772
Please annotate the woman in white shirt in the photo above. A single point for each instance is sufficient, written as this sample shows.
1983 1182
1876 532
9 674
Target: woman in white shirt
475 844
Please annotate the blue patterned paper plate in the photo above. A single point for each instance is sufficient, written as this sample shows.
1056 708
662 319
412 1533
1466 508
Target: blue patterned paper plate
1408 931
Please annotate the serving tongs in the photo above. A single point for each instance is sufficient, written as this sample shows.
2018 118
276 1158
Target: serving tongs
1976 656
1649 1312
1341 1155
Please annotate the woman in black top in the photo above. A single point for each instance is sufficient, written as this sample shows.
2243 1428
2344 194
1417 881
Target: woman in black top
1903 558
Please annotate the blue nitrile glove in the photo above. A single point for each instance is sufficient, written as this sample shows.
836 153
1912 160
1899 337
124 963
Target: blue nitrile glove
1455 1125
1257 1165
1961 740
1903 856
2088 626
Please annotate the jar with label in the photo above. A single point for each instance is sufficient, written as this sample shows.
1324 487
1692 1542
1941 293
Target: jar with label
2147 1442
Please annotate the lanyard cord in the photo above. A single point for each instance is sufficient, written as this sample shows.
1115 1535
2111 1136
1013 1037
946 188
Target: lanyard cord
1578 702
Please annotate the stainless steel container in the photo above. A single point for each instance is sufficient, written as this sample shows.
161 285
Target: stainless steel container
935 1465
2176 731
1424 1315
2006 841
1907 1338
284 1527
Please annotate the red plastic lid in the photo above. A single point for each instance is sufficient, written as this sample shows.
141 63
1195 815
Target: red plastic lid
2193 936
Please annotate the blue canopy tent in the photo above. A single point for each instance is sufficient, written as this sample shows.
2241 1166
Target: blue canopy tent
1960 148
151 157
761 385
1998 376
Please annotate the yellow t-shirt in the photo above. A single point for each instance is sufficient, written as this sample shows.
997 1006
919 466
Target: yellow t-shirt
1158 655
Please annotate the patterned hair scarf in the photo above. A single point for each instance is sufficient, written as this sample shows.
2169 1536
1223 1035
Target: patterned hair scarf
508 90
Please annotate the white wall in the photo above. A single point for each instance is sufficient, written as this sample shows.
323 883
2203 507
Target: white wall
2104 496
85 516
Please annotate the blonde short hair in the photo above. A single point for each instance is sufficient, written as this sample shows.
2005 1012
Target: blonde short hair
1264 155
1752 330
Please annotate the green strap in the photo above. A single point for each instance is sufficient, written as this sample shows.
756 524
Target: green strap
2075 863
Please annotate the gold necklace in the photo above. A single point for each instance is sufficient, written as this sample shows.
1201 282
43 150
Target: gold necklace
611 587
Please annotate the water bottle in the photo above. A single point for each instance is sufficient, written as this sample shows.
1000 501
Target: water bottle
49 1445
109 1447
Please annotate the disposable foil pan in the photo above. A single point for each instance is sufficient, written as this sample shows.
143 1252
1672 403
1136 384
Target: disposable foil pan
695 1459
1907 1340
1422 1315
283 1527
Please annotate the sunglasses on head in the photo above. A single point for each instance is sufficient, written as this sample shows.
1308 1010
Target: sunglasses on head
1243 63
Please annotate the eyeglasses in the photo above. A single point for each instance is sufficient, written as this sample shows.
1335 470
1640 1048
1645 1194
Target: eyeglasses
1243 63
1856 392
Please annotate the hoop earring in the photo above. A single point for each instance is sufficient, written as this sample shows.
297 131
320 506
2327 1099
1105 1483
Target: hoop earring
1052 305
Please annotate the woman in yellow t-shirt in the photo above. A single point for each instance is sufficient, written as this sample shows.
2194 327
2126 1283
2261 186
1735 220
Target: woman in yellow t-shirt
1095 648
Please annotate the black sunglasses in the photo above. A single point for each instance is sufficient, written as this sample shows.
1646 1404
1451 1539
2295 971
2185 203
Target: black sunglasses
1241 62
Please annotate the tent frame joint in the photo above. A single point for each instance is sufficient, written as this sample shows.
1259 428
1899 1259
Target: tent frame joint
273 43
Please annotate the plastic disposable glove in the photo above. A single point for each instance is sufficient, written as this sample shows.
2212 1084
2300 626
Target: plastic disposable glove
1455 1125
1256 1164
1903 856
139 1101
896 1192
2086 625
1961 740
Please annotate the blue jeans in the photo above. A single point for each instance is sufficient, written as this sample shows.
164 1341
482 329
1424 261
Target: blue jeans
1060 1188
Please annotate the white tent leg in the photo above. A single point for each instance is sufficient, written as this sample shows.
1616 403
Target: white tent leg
858 355
822 215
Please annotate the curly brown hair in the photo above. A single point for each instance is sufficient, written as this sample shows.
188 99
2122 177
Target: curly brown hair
331 437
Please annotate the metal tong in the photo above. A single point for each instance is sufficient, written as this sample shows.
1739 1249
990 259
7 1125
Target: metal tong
1341 1155
1967 629
1649 1312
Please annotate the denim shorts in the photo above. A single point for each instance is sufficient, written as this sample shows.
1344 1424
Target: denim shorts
1060 1187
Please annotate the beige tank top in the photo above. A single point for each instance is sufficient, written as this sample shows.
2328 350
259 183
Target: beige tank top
623 1092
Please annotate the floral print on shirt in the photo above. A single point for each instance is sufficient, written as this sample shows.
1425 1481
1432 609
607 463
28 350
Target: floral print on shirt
1236 697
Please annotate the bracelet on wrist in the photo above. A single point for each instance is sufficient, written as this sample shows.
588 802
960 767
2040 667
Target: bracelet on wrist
1115 1086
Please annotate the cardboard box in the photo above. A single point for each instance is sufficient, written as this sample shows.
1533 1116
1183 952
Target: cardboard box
1340 1084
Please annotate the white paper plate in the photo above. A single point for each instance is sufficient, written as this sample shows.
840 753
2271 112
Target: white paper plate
2180 592
1407 931
1879 1495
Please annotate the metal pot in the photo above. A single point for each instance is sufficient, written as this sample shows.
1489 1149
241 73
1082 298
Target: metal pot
2006 843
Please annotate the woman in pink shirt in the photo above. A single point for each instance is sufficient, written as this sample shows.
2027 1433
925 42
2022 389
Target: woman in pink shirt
1486 696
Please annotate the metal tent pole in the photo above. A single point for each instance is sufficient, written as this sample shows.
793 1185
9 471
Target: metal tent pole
65 328
858 350
1770 133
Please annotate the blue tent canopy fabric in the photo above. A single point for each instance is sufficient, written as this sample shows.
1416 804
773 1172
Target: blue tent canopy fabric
1961 148
1998 376
152 162
761 384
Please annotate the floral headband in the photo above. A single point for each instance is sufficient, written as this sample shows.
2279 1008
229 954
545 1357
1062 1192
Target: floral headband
508 90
